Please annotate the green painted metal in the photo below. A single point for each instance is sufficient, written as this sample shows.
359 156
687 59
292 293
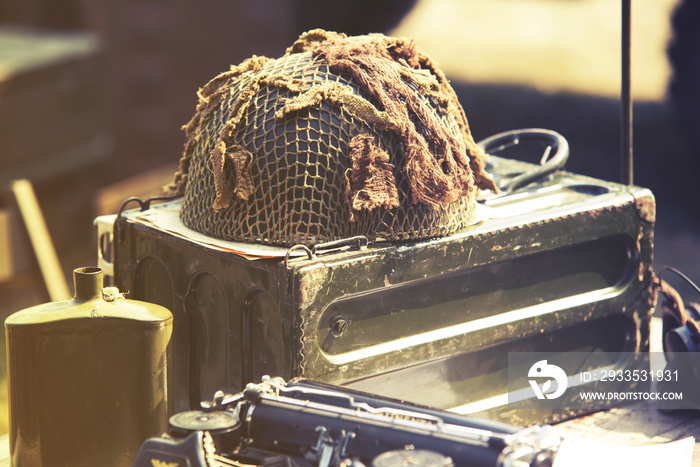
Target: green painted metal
564 264
87 377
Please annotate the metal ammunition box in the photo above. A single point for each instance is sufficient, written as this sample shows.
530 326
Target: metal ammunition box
564 264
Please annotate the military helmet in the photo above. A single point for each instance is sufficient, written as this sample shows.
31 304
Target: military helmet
341 136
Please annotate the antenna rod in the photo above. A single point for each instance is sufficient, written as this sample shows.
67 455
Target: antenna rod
626 95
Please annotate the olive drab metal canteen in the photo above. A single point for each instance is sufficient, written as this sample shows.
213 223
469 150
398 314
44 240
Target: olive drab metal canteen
87 376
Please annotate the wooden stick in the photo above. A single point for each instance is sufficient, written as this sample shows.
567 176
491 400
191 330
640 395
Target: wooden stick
40 239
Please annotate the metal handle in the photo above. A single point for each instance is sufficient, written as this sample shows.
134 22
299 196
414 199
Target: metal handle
143 205
359 241
303 248
554 142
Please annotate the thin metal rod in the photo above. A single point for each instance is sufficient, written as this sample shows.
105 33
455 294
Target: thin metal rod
626 95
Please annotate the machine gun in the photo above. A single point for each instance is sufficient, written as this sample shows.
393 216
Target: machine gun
305 423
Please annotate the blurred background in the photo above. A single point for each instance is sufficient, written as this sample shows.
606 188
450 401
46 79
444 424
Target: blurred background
93 94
